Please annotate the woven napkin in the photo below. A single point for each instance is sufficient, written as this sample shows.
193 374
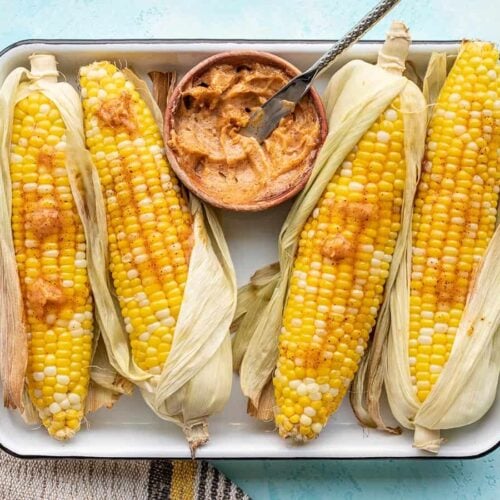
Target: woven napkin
73 479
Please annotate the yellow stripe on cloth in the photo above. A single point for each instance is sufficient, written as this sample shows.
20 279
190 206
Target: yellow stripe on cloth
183 480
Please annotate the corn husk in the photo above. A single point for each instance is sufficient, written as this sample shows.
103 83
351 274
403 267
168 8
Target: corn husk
356 95
435 76
196 380
106 384
252 298
467 386
412 74
13 335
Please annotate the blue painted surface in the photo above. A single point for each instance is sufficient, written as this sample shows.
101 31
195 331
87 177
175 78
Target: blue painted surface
237 18
368 479
324 19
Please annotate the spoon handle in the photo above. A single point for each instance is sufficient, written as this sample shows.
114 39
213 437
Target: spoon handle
266 118
379 11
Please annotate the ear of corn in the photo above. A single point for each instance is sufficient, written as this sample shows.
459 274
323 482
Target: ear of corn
51 259
339 246
455 209
170 265
149 224
337 284
50 252
442 369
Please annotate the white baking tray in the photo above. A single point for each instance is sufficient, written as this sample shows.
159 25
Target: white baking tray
130 430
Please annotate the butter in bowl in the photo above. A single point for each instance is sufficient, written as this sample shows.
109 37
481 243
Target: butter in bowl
210 106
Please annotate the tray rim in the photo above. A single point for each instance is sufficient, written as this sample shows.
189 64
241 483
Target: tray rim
221 41
194 41
221 459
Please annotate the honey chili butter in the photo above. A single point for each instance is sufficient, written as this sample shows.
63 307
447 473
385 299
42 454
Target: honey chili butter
222 165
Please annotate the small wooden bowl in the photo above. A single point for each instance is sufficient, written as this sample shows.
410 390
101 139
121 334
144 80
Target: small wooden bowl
189 180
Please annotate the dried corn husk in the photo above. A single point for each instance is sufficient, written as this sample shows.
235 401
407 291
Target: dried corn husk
196 380
435 76
467 386
355 97
13 335
251 300
412 74
106 385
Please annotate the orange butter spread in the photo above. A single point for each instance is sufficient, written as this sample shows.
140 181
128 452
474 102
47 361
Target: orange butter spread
227 165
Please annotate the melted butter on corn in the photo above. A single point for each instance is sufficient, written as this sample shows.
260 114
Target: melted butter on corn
337 284
149 224
51 261
455 208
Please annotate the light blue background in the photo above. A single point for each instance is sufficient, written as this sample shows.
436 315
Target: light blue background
323 19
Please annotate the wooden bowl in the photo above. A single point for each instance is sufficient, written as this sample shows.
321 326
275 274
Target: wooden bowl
193 181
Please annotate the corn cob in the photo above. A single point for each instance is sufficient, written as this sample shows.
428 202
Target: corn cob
338 278
50 252
455 208
149 224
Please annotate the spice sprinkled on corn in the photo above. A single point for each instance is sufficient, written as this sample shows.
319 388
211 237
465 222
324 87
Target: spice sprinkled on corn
337 285
149 224
455 208
50 252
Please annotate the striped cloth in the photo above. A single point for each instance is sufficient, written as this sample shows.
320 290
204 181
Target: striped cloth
69 479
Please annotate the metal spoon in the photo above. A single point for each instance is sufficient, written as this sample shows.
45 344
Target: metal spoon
266 118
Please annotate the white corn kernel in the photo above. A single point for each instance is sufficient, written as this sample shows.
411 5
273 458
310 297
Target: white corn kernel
50 371
302 390
305 420
74 398
309 411
54 408
62 379
316 427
